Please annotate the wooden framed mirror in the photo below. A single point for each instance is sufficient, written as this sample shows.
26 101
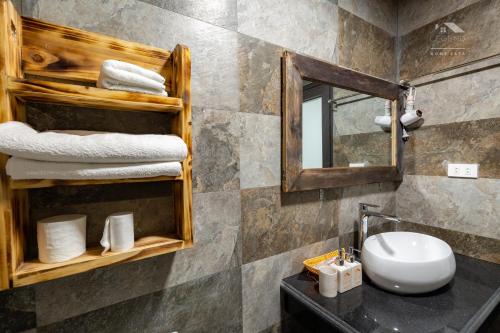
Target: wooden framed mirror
329 134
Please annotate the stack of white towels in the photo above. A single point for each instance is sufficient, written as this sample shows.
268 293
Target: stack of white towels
88 155
119 75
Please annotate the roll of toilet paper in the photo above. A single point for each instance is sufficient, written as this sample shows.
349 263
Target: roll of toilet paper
61 238
118 234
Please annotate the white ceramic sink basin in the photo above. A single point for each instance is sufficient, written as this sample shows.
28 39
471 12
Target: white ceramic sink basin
407 262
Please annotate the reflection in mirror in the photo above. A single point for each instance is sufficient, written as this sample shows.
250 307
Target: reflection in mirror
344 128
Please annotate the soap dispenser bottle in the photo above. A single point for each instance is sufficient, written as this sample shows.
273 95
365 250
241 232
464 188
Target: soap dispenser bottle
344 273
357 272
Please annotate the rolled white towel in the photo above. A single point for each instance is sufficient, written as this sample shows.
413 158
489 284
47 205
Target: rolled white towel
119 75
20 168
20 140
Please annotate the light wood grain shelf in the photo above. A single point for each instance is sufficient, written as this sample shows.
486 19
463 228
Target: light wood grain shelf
35 271
91 97
41 183
48 63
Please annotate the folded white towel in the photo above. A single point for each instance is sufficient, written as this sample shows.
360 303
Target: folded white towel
20 140
109 65
117 85
118 75
20 168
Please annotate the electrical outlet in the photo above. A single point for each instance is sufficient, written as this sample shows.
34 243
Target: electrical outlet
463 170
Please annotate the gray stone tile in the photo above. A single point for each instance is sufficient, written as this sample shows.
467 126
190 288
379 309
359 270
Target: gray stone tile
470 245
216 150
261 282
358 115
210 304
349 239
365 48
276 328
482 100
214 75
373 148
431 148
18 5
466 205
480 40
17 310
263 232
382 194
381 13
216 219
260 152
479 247
455 72
288 23
217 245
221 13
99 288
274 222
413 14
312 217
260 76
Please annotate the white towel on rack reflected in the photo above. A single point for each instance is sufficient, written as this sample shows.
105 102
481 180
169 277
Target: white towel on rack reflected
20 140
20 168
119 75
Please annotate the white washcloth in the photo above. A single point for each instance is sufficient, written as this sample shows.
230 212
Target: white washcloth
20 168
20 140
118 75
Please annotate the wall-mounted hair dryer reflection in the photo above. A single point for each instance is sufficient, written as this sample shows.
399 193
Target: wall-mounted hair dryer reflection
412 118
385 120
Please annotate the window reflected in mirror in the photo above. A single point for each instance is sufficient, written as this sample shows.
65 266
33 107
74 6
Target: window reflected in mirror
344 128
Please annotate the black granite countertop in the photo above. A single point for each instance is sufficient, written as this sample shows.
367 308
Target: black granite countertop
461 306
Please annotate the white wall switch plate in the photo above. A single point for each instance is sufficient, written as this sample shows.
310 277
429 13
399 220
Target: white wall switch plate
463 170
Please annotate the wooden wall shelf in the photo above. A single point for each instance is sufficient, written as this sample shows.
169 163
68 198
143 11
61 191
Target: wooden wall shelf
84 96
34 271
48 63
41 183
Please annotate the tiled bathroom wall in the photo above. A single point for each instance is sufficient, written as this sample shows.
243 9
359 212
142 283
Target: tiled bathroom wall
248 234
461 106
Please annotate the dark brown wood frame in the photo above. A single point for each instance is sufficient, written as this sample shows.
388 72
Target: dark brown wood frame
296 68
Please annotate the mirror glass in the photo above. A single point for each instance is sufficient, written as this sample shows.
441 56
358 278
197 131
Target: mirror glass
344 128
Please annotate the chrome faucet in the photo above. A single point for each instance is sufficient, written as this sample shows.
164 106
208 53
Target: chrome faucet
364 213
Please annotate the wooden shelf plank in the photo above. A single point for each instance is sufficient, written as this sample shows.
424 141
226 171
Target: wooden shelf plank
84 96
40 183
34 271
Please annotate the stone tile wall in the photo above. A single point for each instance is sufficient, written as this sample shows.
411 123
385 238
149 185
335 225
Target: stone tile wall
248 234
461 111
